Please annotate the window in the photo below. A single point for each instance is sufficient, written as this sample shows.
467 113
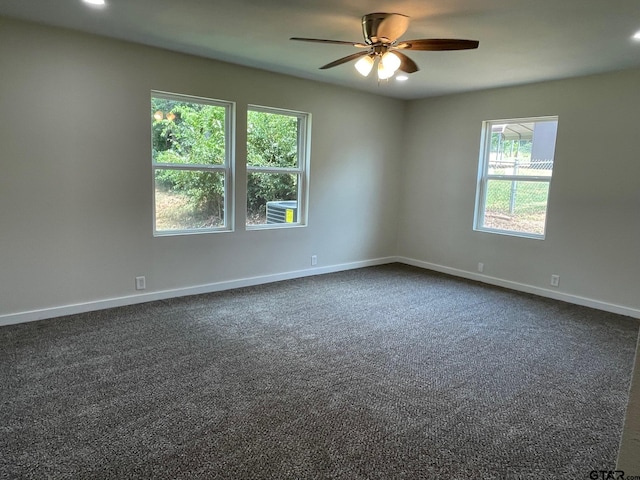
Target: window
516 163
191 156
277 167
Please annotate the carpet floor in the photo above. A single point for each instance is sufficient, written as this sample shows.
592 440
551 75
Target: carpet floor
388 372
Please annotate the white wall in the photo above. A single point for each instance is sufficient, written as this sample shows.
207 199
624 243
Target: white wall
76 184
593 225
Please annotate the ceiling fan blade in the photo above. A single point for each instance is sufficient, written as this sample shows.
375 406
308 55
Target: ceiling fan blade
342 60
407 65
435 44
331 42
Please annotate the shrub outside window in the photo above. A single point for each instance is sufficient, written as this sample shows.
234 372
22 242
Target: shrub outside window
277 167
191 157
516 165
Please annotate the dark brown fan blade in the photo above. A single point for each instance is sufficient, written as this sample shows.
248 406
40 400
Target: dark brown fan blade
331 42
435 44
342 60
407 65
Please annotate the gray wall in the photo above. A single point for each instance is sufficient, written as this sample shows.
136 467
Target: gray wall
593 223
76 184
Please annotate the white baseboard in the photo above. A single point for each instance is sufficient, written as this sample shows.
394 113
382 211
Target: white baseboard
34 315
521 287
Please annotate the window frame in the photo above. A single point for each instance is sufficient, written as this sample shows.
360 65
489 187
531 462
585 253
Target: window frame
227 168
302 170
484 177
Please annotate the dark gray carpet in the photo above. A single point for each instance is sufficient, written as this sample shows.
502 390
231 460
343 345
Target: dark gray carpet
381 373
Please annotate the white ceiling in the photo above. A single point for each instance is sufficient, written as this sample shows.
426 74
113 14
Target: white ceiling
521 41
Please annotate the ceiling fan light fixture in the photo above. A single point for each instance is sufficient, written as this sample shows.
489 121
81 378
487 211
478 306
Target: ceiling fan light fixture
390 61
383 49
383 72
364 65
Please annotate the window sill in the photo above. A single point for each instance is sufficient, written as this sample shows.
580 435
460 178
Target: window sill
510 233
275 226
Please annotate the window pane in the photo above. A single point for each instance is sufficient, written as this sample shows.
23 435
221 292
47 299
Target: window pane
187 132
189 200
272 198
516 206
522 148
272 139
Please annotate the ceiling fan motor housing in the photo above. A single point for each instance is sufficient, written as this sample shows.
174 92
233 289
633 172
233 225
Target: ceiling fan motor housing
383 27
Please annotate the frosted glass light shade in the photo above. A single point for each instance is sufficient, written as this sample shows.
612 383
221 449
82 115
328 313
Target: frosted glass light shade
391 61
384 73
364 65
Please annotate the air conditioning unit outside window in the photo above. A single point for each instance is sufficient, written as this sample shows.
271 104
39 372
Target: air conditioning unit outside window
283 211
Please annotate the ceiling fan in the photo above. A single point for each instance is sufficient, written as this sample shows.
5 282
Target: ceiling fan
381 43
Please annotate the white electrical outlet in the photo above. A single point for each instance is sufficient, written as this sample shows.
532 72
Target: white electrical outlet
314 260
555 280
481 267
141 283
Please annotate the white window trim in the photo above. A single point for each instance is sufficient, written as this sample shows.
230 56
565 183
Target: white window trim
484 177
227 168
304 155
